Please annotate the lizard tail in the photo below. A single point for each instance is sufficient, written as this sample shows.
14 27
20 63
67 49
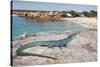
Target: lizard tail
30 54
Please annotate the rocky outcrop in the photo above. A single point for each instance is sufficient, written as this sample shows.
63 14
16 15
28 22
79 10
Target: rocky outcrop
83 48
23 36
41 15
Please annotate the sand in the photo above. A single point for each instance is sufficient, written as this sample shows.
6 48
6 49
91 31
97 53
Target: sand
84 21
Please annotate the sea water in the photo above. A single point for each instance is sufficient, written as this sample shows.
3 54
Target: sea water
21 25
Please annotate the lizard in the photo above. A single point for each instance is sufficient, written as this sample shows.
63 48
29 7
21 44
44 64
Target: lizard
51 43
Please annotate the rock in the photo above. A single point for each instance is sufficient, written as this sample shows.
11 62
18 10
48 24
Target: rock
23 36
82 48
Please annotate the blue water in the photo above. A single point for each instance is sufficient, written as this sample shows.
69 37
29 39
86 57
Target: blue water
21 25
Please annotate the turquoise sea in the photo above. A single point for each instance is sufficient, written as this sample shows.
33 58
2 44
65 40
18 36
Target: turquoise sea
21 25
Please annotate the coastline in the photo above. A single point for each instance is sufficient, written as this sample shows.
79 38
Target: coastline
53 33
84 21
83 45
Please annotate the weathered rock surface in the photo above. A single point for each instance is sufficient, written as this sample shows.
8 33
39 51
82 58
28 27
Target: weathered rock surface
83 48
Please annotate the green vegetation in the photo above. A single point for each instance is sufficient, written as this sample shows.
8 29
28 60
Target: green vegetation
91 13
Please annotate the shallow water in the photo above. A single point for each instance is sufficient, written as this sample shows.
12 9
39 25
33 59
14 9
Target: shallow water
21 25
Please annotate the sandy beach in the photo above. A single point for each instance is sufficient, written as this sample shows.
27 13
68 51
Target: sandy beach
84 21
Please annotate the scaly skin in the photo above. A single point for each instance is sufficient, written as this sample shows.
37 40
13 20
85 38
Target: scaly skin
57 43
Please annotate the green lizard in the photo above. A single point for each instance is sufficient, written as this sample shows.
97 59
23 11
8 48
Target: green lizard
52 43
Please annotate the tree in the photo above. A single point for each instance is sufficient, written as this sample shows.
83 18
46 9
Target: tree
93 13
73 13
63 13
85 13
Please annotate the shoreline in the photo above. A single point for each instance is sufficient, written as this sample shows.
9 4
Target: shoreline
90 23
84 21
